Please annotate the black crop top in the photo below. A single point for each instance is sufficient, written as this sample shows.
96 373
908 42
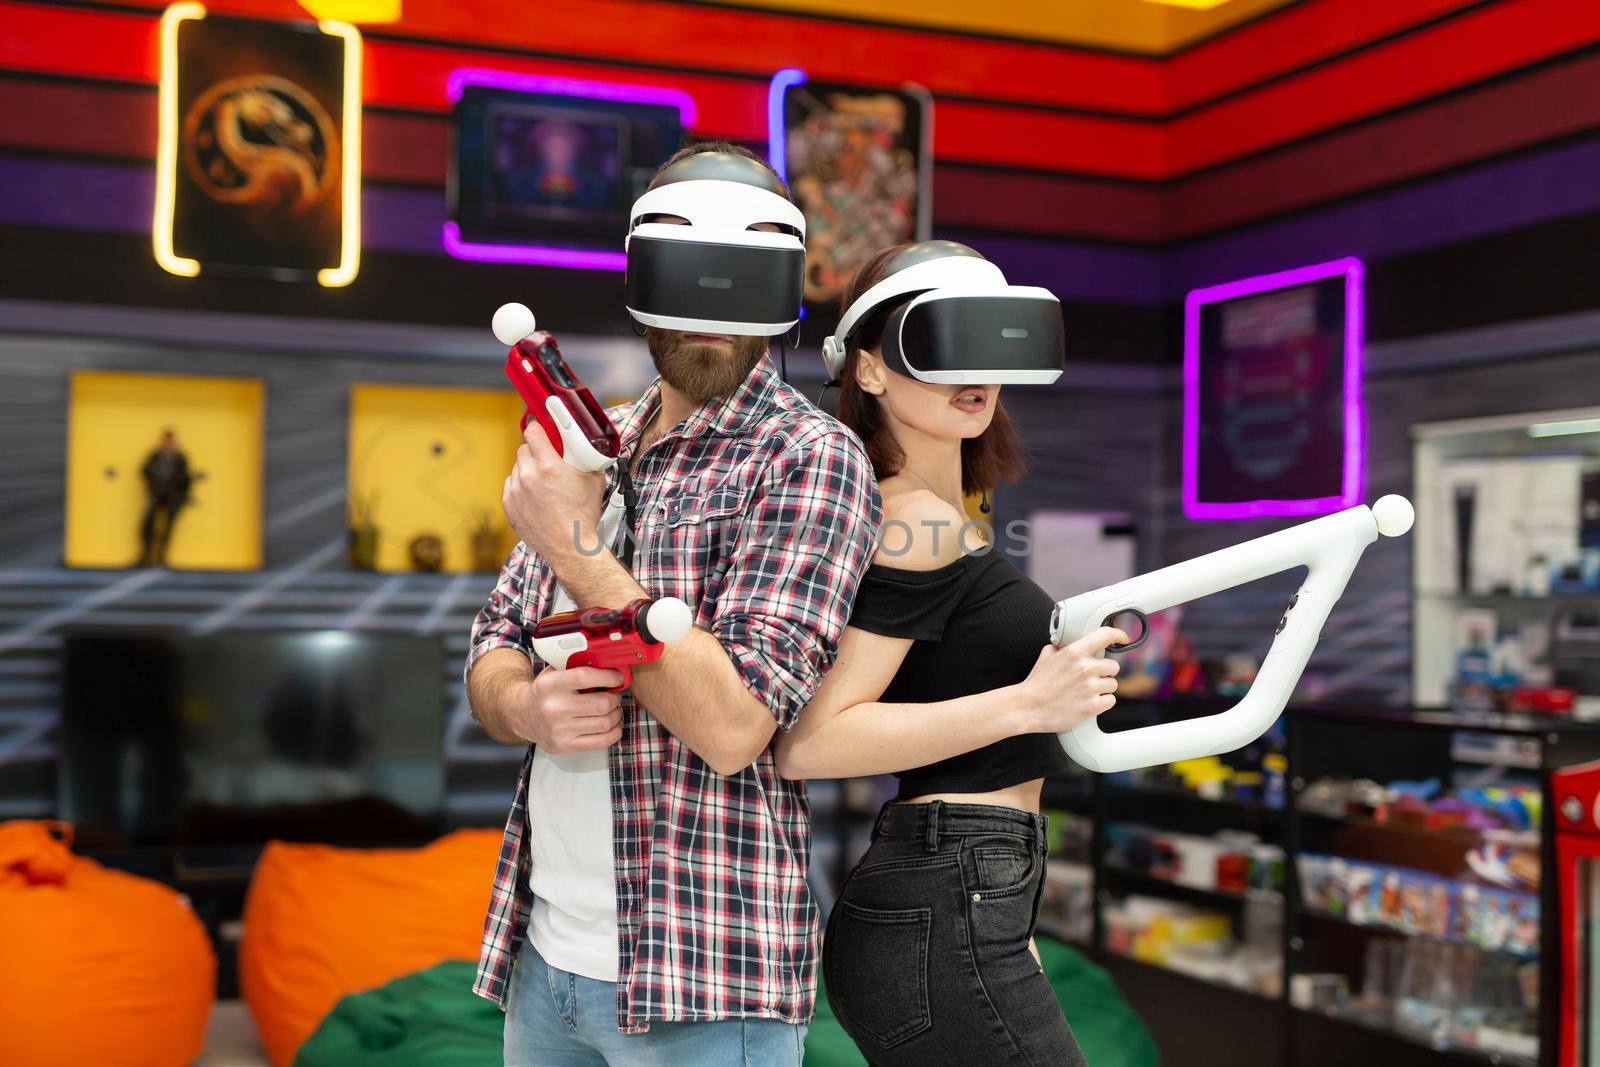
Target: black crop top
976 624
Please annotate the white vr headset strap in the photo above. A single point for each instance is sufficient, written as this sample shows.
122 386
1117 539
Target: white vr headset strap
967 273
718 205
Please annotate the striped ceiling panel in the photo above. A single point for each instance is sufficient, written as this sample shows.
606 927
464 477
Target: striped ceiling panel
1262 115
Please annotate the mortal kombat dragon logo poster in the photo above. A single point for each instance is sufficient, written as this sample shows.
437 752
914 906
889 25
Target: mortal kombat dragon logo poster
258 185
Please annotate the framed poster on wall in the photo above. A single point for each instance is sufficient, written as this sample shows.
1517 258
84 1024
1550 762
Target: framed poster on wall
859 162
258 165
1272 417
544 170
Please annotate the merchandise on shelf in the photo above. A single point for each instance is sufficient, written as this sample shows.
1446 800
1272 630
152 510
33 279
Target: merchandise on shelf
1253 775
1197 942
1232 861
1068 835
1417 902
1066 904
1426 804
1498 669
1448 996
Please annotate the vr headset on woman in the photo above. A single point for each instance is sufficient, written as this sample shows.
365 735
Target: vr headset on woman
963 324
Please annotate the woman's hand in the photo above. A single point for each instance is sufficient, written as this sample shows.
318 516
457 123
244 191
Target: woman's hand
1069 685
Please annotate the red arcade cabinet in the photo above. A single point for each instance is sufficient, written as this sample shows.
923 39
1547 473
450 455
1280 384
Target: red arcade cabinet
1575 792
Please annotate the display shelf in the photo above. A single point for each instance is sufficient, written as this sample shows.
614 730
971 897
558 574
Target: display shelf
1446 719
1194 894
1322 741
1231 812
1464 1054
1389 931
1590 598
1205 980
1461 834
1069 792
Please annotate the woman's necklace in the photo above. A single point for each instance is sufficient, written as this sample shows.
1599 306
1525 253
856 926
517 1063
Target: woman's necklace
983 507
926 484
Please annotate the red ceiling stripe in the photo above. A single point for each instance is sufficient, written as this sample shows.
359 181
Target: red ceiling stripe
118 46
1535 107
981 133
1292 38
1554 101
95 120
1047 205
94 44
414 76
751 42
1465 50
99 44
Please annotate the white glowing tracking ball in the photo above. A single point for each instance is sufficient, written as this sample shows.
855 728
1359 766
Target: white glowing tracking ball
1393 514
512 323
668 619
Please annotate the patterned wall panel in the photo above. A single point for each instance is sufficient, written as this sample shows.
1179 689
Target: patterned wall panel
303 586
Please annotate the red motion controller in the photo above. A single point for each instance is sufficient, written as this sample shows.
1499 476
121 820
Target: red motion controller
612 639
572 418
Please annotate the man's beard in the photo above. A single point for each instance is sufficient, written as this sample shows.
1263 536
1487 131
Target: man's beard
702 372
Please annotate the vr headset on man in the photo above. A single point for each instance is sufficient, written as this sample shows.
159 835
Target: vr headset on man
715 272
732 261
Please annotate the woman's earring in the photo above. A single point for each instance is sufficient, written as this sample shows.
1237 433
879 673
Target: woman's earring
983 505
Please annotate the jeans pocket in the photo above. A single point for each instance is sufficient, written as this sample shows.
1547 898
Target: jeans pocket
879 977
1003 868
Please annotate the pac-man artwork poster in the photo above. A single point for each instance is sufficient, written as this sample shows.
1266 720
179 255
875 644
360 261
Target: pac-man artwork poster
259 160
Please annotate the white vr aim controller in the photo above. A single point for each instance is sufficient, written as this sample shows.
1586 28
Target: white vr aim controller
1328 548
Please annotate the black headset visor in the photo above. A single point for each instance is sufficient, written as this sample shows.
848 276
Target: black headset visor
978 339
715 287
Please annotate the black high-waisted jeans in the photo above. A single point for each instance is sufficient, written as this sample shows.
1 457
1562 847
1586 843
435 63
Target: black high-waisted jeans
926 957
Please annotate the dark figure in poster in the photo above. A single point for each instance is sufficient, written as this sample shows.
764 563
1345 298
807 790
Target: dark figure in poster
167 480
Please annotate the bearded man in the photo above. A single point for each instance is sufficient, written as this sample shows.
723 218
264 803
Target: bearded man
650 904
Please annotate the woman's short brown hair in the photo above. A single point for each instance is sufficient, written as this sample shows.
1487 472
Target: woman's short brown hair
993 457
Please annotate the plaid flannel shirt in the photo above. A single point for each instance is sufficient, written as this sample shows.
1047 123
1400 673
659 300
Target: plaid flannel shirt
761 513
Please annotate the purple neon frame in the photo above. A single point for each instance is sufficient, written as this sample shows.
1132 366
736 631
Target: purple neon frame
1355 439
547 255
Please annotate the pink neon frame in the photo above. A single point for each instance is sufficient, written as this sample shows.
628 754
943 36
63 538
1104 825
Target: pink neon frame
1355 442
546 255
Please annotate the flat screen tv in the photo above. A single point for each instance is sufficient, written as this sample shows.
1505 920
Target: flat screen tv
226 741
544 170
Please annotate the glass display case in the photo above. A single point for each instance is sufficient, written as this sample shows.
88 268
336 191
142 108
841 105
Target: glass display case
1506 563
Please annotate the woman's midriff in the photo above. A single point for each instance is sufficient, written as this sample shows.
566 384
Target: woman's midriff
1024 795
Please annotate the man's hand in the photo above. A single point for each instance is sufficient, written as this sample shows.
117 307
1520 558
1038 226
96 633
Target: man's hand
553 507
550 711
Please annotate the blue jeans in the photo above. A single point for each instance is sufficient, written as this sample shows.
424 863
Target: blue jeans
555 1018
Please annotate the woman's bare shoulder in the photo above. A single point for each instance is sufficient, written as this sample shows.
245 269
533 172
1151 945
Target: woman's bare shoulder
921 531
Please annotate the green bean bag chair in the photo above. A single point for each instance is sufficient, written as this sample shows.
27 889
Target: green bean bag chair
427 1019
432 1019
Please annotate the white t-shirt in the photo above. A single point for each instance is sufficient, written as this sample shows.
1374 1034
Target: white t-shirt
572 872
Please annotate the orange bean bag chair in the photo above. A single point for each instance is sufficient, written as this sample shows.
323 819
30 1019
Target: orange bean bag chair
96 966
323 922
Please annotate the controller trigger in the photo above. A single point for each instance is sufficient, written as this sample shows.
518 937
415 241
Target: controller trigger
1144 628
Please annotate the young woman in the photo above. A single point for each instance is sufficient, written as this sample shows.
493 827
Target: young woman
940 679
